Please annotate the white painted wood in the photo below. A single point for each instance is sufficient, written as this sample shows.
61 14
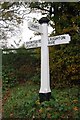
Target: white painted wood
35 27
32 44
44 43
45 78
57 40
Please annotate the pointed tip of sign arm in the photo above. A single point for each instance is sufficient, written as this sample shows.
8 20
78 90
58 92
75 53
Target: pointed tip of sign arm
69 37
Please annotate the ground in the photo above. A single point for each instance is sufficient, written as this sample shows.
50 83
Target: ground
22 101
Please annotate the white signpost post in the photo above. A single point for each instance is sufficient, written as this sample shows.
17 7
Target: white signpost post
45 91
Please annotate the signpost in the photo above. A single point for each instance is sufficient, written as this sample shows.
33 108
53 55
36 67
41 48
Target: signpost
56 40
34 26
33 44
42 27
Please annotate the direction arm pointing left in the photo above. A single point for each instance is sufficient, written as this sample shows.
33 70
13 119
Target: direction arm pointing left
34 26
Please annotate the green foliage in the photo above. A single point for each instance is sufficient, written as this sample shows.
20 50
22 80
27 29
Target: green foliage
8 77
18 67
64 59
64 65
24 103
66 15
36 78
24 65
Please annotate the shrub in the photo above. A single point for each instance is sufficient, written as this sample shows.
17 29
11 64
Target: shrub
64 66
19 67
8 77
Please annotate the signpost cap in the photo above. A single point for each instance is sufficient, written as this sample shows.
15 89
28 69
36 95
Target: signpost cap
44 20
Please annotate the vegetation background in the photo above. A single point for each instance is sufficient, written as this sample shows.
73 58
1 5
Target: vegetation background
21 70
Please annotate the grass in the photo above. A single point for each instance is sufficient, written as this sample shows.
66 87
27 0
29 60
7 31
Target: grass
23 102
18 96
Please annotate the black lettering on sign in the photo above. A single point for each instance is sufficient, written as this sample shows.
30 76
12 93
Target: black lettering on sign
51 41
38 41
56 38
35 26
33 44
63 37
